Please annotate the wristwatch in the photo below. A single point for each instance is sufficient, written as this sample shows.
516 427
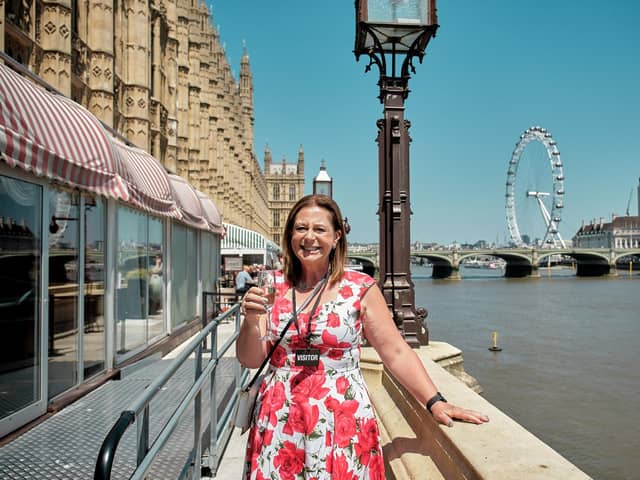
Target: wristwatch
436 398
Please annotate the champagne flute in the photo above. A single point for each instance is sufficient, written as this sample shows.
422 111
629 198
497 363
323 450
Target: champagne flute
266 281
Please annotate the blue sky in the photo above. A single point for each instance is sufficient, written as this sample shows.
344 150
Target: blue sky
495 68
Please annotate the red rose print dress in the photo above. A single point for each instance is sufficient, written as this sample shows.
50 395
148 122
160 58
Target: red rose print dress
317 422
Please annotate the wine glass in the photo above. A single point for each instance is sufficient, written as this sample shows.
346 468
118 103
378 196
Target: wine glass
266 281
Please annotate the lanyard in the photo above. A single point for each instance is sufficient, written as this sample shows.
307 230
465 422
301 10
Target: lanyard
311 312
292 320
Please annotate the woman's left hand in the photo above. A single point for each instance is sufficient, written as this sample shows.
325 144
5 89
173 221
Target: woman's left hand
446 413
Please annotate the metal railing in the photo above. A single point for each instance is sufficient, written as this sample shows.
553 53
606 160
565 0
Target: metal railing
138 412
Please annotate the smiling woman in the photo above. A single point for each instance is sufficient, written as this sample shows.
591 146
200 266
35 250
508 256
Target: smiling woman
313 415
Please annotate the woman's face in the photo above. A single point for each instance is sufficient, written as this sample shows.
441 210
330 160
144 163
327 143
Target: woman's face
313 237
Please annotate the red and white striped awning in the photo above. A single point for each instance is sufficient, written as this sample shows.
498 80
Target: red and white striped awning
211 213
53 137
146 181
188 202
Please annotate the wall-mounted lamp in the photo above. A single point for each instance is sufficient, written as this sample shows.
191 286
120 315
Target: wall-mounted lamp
53 225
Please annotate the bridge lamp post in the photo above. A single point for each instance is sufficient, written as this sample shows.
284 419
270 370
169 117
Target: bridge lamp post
323 185
392 33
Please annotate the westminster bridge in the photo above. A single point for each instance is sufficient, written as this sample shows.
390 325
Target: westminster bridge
519 262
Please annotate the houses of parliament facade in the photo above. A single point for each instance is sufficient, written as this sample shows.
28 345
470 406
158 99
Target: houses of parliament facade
156 73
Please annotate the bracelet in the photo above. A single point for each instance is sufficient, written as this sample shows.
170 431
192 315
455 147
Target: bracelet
436 398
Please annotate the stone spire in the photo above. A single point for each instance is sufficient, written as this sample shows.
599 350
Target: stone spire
267 160
246 94
246 78
300 160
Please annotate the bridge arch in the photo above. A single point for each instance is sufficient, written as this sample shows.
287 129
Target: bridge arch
518 264
363 263
618 254
442 263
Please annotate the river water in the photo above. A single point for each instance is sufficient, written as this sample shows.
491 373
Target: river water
569 370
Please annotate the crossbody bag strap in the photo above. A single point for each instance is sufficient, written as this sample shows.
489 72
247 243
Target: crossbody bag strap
284 331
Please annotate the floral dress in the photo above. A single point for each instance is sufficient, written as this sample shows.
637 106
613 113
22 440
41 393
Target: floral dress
316 422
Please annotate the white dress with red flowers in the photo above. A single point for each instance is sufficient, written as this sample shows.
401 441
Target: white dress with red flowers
317 422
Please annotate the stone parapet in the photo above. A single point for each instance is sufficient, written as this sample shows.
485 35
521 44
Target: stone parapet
416 447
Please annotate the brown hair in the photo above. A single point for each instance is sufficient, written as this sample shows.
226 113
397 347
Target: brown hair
291 267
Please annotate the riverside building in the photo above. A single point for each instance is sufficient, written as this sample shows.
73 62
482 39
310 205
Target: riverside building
620 232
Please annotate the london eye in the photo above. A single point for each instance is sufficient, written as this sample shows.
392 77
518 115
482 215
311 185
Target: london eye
535 181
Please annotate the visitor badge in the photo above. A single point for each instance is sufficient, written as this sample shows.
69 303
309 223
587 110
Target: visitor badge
307 357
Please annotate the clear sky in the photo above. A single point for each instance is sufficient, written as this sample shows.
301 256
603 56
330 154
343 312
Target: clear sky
495 68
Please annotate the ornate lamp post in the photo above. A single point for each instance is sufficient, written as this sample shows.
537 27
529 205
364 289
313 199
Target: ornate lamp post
395 31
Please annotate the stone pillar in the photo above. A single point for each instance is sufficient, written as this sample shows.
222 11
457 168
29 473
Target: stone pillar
2 25
101 60
136 75
535 268
613 272
55 39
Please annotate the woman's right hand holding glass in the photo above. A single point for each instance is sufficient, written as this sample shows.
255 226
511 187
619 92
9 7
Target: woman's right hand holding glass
250 348
255 306
254 302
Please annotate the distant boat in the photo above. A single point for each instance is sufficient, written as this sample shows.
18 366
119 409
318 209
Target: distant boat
491 263
473 263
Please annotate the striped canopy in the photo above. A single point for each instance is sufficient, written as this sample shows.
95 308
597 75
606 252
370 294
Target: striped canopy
211 213
54 137
188 202
146 181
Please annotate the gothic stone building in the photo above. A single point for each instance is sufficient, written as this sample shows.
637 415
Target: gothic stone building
285 184
155 72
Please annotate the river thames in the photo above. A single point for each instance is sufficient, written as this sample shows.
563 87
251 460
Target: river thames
569 370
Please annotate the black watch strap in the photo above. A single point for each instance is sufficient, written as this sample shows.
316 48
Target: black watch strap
436 398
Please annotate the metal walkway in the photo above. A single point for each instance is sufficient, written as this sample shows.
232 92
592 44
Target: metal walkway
66 445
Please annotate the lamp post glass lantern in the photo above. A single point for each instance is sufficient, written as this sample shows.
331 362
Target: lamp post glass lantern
323 183
392 33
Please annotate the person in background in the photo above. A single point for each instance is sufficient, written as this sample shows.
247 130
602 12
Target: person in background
313 416
244 280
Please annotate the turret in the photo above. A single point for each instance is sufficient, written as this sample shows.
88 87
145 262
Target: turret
246 80
267 160
300 160
246 96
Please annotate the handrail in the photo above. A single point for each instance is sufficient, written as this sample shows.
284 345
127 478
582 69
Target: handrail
139 409
108 449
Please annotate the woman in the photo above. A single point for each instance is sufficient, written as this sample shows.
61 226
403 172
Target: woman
313 416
